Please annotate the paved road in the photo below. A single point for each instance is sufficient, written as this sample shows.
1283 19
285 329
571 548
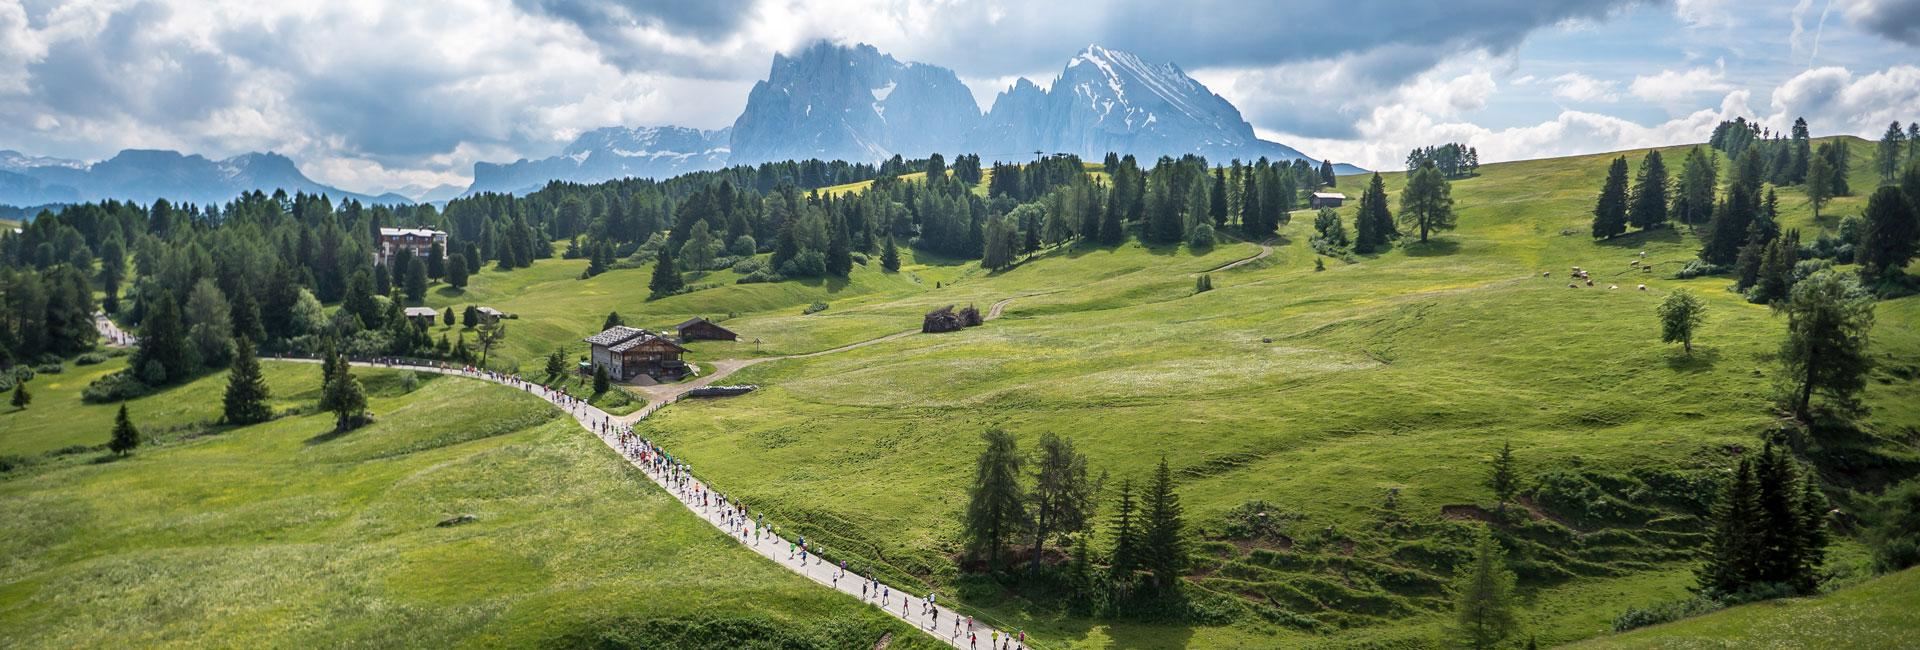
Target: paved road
110 333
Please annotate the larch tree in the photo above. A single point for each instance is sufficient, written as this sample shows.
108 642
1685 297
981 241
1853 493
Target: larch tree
1501 476
1681 314
995 504
1828 319
1061 501
1427 201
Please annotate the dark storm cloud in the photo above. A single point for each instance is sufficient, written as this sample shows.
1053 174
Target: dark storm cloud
1897 20
609 24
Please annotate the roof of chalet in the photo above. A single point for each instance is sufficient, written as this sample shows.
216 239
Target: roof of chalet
411 232
615 335
1329 195
644 338
421 311
490 311
698 320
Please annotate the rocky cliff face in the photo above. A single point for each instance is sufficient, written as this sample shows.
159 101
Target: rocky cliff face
1108 100
852 103
610 153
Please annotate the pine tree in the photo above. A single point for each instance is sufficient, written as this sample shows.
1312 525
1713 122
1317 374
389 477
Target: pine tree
1126 536
839 249
126 437
1889 235
1825 352
556 365
1373 223
1163 541
1649 209
344 397
1732 546
1610 211
1326 173
471 317
246 399
21 398
447 318
1250 222
1217 198
1892 144
890 255
1779 527
1813 508
995 505
1728 230
1113 230
1483 598
436 261
457 271
244 315
1427 201
613 320
666 281
601 382
1819 183
1501 477
162 357
416 281
1693 198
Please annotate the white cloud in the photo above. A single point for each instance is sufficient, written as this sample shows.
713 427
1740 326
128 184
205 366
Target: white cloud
1834 101
1673 86
1576 87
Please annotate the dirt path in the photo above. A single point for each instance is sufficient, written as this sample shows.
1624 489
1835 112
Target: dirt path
994 311
1266 249
111 333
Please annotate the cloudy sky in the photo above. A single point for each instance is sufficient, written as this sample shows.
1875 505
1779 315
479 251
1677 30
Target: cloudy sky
371 95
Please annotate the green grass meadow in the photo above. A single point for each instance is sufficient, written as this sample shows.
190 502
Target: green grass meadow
281 535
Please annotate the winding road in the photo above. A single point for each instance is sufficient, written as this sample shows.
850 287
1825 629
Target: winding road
937 621
1266 249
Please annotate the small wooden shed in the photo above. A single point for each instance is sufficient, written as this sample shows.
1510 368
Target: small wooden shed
1326 200
701 329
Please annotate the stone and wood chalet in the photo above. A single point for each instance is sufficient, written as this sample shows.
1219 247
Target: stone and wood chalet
701 329
1325 200
628 352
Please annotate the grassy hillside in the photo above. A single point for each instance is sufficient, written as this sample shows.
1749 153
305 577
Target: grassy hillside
1319 392
278 535
1880 613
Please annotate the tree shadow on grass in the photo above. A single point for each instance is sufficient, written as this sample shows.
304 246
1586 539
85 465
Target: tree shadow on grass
1640 238
1702 360
1431 248
449 291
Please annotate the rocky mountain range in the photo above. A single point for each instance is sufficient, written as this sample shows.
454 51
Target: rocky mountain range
829 101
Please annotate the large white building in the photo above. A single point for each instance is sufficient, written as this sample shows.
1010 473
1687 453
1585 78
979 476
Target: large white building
418 240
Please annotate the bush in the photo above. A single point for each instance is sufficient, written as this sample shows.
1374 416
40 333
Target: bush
1895 535
1697 268
1256 520
22 374
50 368
751 265
814 308
1636 617
90 358
116 387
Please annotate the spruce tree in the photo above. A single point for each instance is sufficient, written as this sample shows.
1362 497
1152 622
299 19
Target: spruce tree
457 271
1483 598
436 261
556 365
1649 209
1889 235
416 281
1163 541
21 398
613 320
1373 223
1126 536
890 255
1610 211
666 281
601 382
447 318
1501 477
1112 230
1819 183
245 401
244 315
1887 158
995 504
125 437
1732 547
162 357
1779 526
1217 198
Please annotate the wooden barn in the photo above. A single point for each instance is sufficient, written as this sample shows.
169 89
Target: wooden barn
629 352
701 329
1326 200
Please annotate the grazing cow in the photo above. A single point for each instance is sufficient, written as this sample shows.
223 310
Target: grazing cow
1546 274
1571 285
1643 253
1611 287
1643 287
1633 263
1589 283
